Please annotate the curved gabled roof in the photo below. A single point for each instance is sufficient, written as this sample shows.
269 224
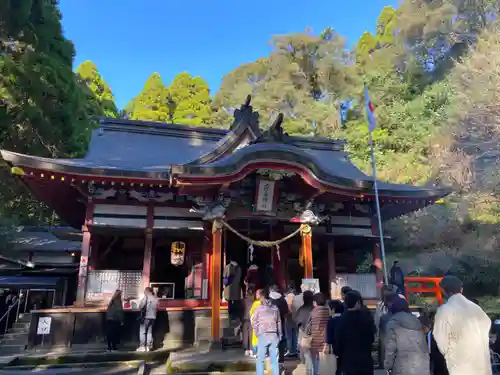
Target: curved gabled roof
182 155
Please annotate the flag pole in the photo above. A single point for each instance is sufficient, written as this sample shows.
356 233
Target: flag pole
371 127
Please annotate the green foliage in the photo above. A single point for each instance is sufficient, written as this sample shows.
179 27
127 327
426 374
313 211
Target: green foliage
432 70
192 100
100 90
304 78
186 101
367 44
45 109
386 26
152 103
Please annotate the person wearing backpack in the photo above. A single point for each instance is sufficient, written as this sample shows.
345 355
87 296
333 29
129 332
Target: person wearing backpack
148 309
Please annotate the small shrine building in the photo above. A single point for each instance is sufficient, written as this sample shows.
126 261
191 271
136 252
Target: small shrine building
168 206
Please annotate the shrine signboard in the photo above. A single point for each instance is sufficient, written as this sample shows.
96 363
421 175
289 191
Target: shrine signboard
266 194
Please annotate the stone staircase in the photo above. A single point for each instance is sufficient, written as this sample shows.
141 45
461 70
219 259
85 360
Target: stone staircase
16 339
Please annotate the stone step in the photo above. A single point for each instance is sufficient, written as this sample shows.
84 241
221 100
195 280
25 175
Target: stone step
19 330
129 367
24 318
6 350
21 325
13 335
15 341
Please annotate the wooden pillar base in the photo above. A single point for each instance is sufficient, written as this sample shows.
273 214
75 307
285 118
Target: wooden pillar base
215 346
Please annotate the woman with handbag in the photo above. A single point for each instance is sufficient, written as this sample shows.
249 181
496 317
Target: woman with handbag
301 319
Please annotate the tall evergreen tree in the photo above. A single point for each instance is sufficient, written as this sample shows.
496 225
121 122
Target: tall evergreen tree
44 108
100 90
152 102
192 100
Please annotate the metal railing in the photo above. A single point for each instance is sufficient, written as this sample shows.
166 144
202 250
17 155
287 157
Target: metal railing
9 318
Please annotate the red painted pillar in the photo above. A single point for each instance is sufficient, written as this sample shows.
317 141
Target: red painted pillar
148 248
84 257
306 233
215 281
377 263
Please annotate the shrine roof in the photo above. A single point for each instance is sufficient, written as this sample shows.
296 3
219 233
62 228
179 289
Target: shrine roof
140 149
178 155
124 148
42 241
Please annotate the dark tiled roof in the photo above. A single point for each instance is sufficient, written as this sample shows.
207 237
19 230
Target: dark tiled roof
148 150
148 146
42 241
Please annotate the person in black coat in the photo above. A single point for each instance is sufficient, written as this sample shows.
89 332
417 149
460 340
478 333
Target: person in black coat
354 337
336 310
437 360
278 300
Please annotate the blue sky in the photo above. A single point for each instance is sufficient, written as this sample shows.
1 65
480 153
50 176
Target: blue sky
130 39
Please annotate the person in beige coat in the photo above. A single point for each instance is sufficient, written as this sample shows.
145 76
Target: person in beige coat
461 331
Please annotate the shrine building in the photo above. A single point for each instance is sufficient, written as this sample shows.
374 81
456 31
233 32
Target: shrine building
168 206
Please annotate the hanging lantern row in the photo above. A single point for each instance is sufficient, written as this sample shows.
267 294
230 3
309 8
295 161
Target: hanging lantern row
20 172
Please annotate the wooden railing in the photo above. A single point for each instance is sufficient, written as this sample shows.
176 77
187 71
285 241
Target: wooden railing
425 285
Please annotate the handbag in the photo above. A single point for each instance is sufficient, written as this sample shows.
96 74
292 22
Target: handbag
305 341
327 364
306 338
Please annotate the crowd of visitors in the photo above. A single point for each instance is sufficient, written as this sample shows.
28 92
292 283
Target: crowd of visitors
452 341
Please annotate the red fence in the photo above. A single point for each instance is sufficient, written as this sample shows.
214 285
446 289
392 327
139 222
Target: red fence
425 285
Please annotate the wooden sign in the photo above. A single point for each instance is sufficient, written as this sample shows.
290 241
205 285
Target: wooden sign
177 253
265 197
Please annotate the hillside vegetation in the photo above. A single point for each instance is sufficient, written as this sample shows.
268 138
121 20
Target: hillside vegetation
432 69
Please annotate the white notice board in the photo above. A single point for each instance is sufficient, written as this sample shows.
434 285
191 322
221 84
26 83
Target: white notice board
44 324
311 285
